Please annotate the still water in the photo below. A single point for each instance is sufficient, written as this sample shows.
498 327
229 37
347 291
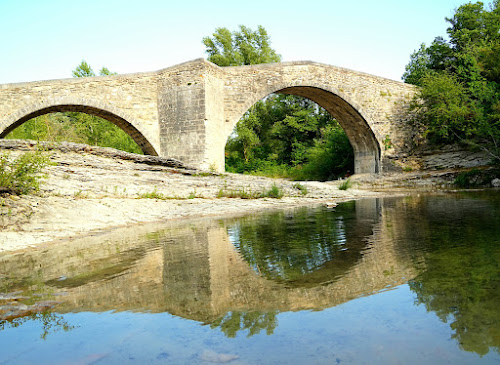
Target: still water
377 281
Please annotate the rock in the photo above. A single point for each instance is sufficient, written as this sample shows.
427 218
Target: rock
455 159
495 183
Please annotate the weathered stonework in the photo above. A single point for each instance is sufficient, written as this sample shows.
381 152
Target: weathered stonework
189 110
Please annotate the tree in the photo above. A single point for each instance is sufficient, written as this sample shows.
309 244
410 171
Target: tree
243 47
418 66
83 70
459 99
105 72
448 109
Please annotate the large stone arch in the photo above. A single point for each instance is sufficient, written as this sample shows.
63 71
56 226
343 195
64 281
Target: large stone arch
348 113
102 110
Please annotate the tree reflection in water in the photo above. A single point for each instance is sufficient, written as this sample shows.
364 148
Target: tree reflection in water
253 322
49 322
303 248
460 280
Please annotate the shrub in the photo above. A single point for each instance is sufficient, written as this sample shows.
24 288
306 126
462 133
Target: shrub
274 192
345 184
474 178
331 156
22 175
301 188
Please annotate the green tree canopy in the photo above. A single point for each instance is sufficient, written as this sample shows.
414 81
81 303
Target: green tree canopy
84 70
459 99
243 47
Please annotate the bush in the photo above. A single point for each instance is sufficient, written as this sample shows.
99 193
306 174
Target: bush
22 175
475 178
274 192
345 184
330 157
301 188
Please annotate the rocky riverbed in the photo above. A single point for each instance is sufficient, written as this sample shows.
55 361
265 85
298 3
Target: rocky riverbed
91 189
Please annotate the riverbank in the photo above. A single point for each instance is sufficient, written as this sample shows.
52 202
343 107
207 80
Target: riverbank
93 189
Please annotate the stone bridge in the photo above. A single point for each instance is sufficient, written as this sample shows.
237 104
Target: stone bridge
189 110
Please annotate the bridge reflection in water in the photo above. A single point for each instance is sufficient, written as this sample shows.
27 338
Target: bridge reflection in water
283 261
238 274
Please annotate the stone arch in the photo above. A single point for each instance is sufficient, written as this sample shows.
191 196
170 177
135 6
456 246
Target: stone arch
349 114
108 112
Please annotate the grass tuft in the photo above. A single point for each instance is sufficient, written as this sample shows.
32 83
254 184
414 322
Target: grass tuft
301 188
346 184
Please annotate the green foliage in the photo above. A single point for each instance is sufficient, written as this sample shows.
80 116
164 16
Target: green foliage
459 99
241 193
301 248
105 72
243 47
253 322
83 70
448 115
289 136
387 142
330 157
275 192
346 184
77 127
475 178
155 194
301 188
418 66
275 136
459 280
53 127
22 174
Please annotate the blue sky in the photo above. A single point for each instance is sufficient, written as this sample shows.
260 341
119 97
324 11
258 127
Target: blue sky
47 39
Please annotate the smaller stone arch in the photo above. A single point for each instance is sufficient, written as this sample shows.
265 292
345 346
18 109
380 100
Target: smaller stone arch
367 151
108 112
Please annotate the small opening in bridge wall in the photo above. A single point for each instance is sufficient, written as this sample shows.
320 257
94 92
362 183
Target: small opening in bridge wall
289 136
75 127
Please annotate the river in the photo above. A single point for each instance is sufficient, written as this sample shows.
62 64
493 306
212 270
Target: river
407 280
